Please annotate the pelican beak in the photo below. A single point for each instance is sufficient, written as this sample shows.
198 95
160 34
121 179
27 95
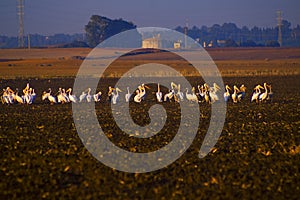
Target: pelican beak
173 85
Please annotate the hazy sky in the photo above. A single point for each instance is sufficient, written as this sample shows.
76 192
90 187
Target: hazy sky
69 16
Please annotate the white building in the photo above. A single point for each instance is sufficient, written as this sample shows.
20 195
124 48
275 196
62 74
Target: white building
154 42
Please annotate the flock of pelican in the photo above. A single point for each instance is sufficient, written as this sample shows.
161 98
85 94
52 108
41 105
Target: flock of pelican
66 96
10 97
260 96
203 93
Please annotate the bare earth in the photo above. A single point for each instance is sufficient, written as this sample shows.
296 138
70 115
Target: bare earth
257 155
42 63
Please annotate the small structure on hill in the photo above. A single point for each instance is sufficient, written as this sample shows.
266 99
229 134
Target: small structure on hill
154 42
177 45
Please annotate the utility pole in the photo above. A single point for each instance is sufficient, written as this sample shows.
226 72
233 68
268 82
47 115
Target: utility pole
279 18
20 8
28 41
185 33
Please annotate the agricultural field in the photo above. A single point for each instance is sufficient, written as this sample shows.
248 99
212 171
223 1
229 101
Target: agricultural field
256 157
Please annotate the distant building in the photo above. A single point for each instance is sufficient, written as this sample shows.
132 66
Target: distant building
177 45
210 44
221 43
154 42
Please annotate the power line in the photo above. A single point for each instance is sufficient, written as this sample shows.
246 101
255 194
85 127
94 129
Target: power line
186 33
20 8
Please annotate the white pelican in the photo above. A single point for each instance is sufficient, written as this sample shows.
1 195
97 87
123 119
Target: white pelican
115 96
176 95
263 96
270 94
142 89
216 87
227 93
18 98
207 96
158 94
169 95
30 97
26 89
242 92
72 97
213 93
29 94
47 95
65 95
97 96
137 98
8 95
26 96
61 97
82 97
192 96
5 97
256 93
234 95
127 95
109 93
179 94
213 96
201 93
89 97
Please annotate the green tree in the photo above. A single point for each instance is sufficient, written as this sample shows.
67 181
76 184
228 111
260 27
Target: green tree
100 28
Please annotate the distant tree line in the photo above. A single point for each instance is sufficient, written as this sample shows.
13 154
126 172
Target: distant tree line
229 35
36 40
100 28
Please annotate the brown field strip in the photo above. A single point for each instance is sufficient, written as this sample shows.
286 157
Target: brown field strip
47 63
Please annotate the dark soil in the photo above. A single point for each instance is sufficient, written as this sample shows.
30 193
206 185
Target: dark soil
256 157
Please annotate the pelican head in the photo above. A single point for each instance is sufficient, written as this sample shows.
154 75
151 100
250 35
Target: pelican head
227 87
173 85
216 86
259 87
243 88
145 86
118 89
206 86
193 89
69 90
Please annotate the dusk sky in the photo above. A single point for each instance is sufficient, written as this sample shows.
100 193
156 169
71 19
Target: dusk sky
48 17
